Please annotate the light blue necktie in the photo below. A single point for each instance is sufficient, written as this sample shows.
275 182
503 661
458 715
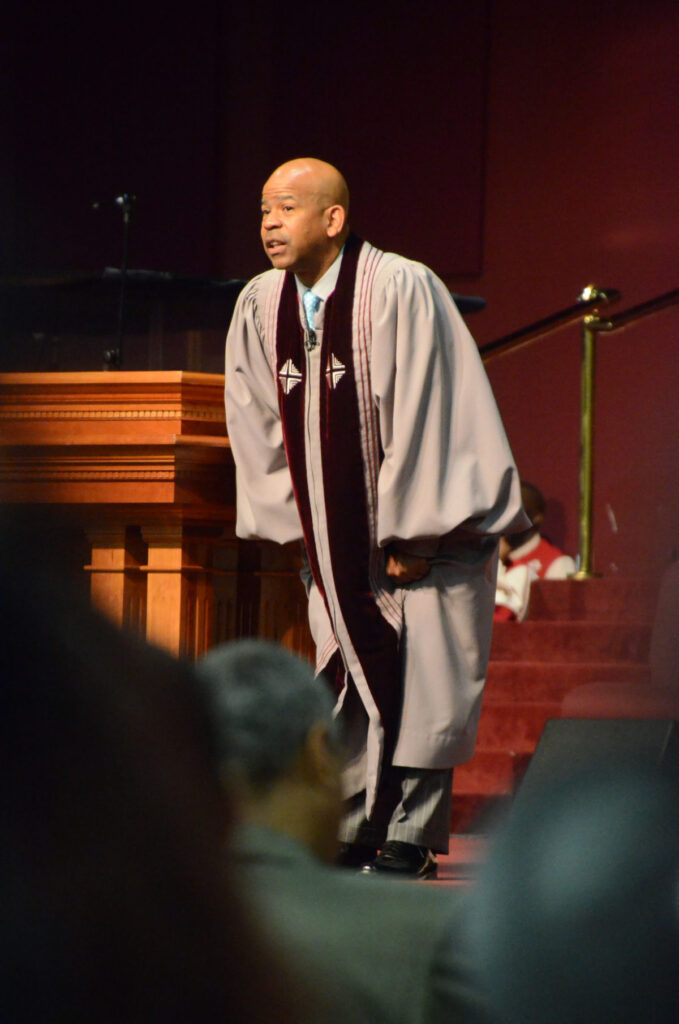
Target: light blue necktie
311 303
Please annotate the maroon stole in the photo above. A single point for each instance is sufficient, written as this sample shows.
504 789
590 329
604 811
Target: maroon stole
374 640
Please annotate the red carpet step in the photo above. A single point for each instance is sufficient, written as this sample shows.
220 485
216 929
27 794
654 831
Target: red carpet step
609 599
573 642
509 682
577 632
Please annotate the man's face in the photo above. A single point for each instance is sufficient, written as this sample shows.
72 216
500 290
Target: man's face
294 228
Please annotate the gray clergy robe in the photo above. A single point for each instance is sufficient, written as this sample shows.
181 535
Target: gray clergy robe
386 431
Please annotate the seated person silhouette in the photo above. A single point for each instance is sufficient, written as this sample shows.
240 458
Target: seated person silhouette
366 948
115 903
575 913
525 557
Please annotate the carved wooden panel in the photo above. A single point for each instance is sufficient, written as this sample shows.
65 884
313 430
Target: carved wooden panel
142 464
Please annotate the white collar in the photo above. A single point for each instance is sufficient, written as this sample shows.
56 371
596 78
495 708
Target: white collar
325 285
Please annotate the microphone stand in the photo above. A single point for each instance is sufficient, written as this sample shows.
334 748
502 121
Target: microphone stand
113 357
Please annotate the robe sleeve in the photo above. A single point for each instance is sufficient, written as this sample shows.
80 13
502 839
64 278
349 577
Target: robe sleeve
513 590
561 568
265 505
447 464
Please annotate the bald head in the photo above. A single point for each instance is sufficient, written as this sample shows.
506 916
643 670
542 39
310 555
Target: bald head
319 178
305 205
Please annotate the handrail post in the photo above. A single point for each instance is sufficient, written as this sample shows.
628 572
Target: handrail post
591 325
592 298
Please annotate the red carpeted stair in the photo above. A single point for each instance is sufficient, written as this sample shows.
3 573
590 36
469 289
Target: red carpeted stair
576 632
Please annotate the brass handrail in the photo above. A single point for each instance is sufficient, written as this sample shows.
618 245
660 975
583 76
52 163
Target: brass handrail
591 326
644 309
585 309
590 299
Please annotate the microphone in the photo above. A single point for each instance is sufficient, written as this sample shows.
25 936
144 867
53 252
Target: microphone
123 201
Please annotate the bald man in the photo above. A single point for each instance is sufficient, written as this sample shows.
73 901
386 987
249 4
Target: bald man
362 423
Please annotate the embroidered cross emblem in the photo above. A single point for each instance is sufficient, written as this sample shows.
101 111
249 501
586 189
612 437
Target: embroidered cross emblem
289 375
335 371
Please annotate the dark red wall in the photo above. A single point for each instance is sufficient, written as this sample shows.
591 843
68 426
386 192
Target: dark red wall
97 100
581 186
190 107
523 149
394 94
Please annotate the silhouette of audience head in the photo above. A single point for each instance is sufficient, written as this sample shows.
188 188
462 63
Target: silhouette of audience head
576 915
533 503
277 740
116 906
534 506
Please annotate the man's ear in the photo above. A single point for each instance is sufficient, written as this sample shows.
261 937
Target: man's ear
336 217
320 763
538 519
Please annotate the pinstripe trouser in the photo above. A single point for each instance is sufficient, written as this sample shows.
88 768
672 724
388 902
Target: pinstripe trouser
412 806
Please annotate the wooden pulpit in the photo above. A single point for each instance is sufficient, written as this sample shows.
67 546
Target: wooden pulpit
141 464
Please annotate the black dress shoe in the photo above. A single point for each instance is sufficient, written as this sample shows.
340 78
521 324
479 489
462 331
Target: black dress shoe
404 860
355 855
